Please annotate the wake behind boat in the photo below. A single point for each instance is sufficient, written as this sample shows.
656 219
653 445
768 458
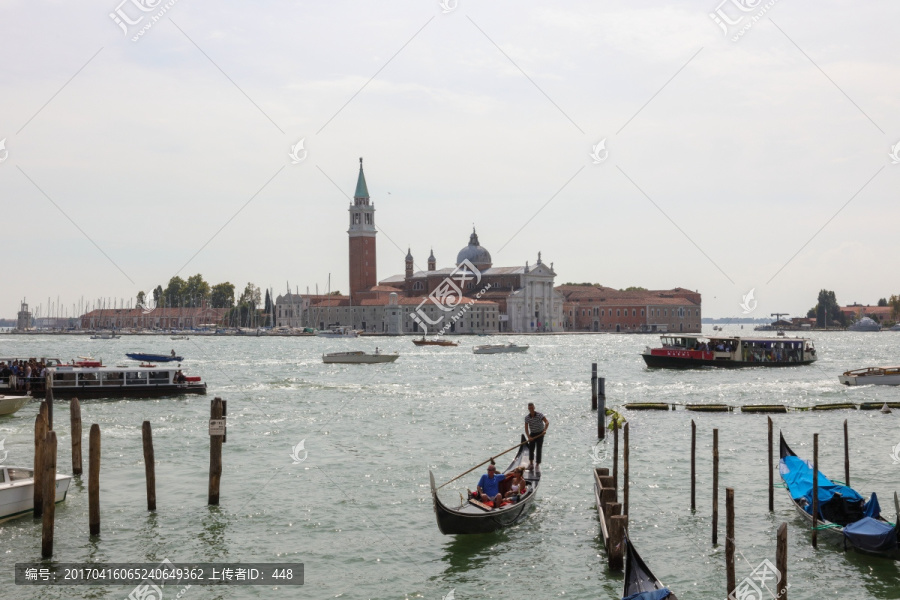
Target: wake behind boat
692 351
358 358
154 357
472 516
871 376
17 491
843 513
498 348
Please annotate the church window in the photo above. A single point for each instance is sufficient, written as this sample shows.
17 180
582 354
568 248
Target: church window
368 219
356 218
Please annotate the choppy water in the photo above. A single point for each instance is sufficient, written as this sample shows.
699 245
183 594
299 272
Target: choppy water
358 511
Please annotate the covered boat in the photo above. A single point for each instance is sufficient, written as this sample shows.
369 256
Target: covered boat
640 583
471 516
843 512
871 376
680 351
865 324
17 491
154 357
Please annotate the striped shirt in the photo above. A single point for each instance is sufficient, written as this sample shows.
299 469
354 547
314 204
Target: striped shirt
535 424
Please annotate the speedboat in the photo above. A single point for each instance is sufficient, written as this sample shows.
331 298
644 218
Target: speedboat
434 342
105 335
338 331
154 357
865 324
10 404
871 376
17 491
358 358
498 348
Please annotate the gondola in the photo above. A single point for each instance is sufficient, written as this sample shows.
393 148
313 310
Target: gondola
473 517
843 513
640 583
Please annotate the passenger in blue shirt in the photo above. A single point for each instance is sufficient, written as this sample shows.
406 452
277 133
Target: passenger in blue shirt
489 486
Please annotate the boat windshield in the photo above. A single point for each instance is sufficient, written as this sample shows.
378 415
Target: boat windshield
690 343
16 474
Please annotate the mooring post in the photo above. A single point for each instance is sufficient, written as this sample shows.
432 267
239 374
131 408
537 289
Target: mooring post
715 490
815 506
94 480
771 470
40 435
846 456
729 541
215 455
49 499
615 474
593 386
617 526
781 562
75 422
693 466
625 471
149 465
601 408
48 391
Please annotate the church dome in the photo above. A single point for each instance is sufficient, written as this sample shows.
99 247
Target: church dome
475 254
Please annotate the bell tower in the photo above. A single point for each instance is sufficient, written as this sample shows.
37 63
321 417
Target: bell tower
362 238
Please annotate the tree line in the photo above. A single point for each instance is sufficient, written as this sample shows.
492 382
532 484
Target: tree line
245 311
827 311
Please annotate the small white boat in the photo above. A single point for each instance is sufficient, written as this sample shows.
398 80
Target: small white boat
10 404
358 358
178 337
871 376
341 331
105 335
17 491
498 348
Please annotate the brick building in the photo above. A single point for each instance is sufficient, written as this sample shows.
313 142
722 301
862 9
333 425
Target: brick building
599 308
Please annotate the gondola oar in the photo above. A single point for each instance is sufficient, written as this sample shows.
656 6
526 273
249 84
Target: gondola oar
491 459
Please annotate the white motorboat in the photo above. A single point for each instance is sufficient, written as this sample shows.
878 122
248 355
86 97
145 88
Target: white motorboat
105 335
865 324
17 491
871 376
341 331
10 404
498 348
358 358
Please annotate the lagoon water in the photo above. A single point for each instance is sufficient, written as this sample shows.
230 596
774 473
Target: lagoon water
357 510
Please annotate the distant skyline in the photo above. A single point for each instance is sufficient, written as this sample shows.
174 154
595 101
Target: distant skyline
640 144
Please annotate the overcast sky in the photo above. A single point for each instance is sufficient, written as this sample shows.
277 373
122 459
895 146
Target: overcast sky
730 163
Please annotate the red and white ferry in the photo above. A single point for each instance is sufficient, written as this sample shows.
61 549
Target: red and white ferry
691 351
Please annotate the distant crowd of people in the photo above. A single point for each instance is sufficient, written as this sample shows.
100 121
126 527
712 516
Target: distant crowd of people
23 372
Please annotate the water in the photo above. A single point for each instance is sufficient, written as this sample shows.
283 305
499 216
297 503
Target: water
357 511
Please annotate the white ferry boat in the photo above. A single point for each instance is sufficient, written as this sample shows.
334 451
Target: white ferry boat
690 351
90 379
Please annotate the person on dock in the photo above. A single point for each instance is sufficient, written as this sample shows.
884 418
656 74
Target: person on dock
536 425
489 486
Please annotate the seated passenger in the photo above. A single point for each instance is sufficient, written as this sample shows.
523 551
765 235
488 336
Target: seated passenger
519 486
489 486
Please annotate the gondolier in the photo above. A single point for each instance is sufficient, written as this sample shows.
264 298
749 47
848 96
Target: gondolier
536 425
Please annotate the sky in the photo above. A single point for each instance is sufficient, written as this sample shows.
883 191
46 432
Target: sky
721 147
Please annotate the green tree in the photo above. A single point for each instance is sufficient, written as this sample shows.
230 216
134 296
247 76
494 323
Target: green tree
140 298
174 291
158 298
195 290
335 293
251 296
882 302
894 303
222 295
268 309
635 288
828 311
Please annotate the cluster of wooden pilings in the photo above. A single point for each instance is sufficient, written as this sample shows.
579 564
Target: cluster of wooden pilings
45 465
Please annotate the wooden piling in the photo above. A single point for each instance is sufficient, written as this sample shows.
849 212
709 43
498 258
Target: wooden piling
693 466
40 434
601 408
48 387
149 465
593 386
215 455
75 422
616 551
49 494
615 472
781 562
607 497
815 506
715 490
612 509
846 455
625 471
94 479
729 542
606 481
771 470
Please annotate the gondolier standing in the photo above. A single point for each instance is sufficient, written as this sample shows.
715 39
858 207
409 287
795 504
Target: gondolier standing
536 425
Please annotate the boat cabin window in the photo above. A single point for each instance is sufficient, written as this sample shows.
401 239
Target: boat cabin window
64 379
135 378
2 476
88 379
19 474
112 377
158 377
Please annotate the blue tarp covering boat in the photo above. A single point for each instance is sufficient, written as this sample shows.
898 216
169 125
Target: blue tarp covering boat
154 357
